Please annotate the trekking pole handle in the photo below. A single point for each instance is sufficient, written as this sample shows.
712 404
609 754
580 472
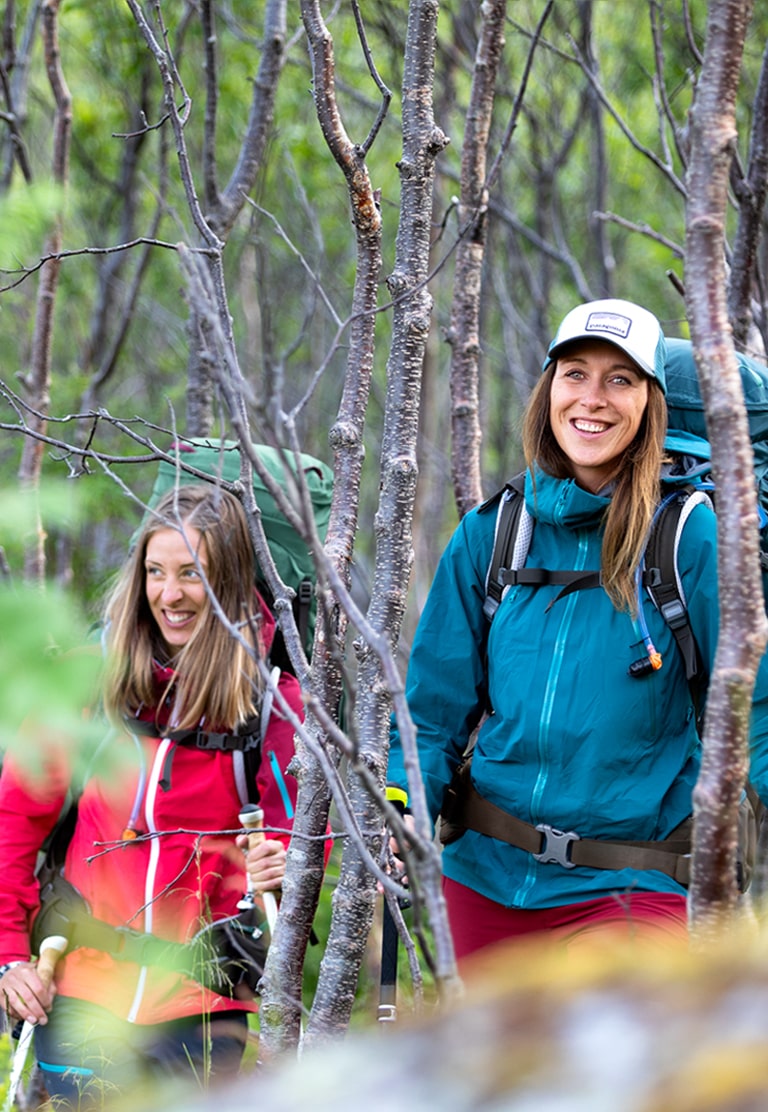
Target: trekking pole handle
252 818
51 949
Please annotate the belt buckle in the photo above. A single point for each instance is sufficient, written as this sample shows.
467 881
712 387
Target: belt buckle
556 846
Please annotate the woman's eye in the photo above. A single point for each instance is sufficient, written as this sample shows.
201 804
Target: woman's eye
153 573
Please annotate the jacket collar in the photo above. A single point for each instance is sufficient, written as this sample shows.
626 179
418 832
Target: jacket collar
563 502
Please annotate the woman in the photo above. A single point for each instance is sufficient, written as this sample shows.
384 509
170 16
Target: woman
575 740
155 846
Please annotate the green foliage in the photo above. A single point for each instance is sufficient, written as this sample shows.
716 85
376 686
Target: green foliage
26 216
6 1054
290 259
48 672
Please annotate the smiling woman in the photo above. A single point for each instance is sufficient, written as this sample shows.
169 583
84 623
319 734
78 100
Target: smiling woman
155 853
569 819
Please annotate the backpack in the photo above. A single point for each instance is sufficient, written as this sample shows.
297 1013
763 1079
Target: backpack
220 460
686 413
659 567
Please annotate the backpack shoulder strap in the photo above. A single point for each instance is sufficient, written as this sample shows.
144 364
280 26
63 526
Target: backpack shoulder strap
661 579
247 761
508 542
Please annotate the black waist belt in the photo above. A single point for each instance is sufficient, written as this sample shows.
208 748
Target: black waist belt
125 944
469 809
64 911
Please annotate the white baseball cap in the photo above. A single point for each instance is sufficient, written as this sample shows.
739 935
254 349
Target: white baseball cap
623 324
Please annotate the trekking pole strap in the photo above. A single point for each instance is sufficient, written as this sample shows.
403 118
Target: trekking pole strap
569 849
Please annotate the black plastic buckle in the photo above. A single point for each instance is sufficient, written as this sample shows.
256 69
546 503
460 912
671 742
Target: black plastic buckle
221 742
556 845
674 613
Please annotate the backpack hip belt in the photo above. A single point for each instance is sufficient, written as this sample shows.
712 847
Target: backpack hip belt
221 955
467 809
63 910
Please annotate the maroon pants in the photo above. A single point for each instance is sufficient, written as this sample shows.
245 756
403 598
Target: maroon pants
477 922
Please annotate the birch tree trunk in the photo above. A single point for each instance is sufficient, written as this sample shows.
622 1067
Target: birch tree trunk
280 1014
464 333
356 892
742 639
37 382
423 140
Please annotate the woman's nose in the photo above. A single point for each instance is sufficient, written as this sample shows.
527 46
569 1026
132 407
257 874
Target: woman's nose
594 395
171 589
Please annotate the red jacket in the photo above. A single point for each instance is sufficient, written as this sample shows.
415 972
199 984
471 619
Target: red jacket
167 885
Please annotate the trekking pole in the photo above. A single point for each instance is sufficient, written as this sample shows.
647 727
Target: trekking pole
387 1010
51 949
252 818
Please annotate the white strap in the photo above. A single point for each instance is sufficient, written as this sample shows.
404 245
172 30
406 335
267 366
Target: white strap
269 699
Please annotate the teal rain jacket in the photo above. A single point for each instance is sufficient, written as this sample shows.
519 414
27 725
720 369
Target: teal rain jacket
574 741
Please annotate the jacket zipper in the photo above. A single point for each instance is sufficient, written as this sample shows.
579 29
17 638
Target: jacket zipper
553 676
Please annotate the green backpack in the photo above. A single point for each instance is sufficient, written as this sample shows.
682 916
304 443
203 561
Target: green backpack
220 459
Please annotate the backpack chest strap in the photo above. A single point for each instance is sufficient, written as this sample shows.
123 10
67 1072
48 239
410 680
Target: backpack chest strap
247 737
540 577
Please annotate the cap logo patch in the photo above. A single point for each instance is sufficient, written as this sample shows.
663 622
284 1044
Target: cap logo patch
615 323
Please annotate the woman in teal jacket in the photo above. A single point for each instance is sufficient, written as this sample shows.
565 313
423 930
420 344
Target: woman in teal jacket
568 741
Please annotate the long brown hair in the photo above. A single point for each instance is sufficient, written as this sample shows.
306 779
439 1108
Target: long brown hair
217 676
636 493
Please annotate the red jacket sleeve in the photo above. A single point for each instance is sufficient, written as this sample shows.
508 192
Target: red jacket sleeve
30 805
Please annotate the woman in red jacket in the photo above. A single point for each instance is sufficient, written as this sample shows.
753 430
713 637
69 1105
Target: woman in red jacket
155 850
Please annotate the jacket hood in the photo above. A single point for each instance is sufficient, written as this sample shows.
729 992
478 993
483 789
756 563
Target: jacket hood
268 624
562 502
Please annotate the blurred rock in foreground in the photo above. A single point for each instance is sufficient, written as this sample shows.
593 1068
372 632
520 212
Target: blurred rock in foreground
603 1031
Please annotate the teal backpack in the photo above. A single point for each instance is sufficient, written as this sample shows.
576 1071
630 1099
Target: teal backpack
686 412
220 460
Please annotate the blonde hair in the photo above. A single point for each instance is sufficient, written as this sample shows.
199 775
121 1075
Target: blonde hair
217 677
636 494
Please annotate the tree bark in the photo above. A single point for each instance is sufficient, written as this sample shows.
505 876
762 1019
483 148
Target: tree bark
340 969
464 333
751 192
422 142
742 638
38 380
